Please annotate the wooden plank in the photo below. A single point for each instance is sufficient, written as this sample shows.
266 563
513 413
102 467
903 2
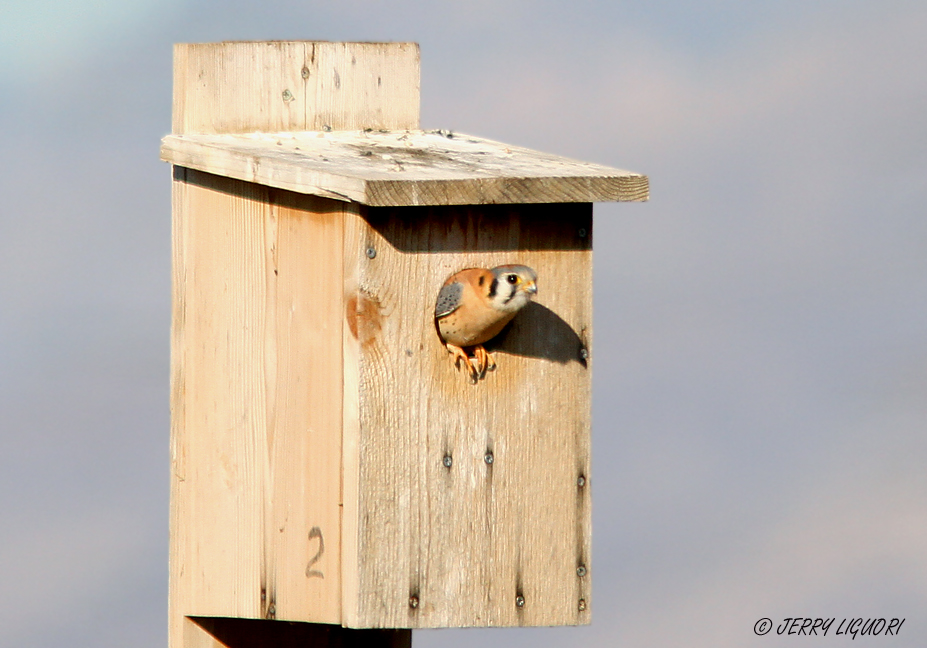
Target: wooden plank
437 546
404 168
363 85
256 393
239 87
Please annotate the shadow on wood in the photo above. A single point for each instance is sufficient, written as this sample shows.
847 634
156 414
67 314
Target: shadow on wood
437 228
484 228
259 633
270 195
538 332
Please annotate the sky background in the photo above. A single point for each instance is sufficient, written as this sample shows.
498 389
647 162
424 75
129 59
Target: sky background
760 401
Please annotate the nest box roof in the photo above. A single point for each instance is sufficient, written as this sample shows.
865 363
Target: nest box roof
402 167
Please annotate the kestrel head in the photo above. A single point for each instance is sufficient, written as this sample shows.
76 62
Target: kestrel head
512 287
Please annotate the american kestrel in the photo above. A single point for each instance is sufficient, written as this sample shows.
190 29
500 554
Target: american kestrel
475 304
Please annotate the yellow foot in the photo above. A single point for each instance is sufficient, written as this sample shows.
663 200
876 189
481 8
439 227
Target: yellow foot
484 360
459 354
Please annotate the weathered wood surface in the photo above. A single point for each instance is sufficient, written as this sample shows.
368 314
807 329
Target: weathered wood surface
307 373
256 398
473 543
241 87
403 168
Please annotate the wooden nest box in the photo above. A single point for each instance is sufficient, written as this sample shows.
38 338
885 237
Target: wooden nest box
330 464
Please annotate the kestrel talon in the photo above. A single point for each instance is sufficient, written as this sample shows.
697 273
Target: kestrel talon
473 307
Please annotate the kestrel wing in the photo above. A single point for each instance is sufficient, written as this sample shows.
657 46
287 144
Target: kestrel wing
448 299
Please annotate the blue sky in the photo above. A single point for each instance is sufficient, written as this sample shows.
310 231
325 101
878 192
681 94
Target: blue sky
760 397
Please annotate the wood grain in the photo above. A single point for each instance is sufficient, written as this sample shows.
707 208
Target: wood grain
403 168
427 545
256 394
241 87
307 373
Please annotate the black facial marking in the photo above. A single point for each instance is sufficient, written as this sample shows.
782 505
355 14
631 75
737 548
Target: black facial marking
492 288
482 280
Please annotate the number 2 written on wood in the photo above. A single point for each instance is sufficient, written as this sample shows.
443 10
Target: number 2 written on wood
315 532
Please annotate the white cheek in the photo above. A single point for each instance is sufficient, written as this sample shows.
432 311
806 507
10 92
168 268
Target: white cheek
515 304
501 297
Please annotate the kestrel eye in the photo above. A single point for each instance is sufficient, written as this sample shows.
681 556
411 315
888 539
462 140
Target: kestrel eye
513 279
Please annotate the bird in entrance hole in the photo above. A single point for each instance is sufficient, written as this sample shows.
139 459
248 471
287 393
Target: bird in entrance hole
475 304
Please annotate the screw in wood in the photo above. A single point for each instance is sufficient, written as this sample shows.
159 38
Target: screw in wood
287 95
371 253
584 353
413 602
304 73
520 601
582 232
581 571
448 461
581 481
582 605
488 458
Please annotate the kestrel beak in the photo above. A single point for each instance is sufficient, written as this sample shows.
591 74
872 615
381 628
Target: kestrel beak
531 288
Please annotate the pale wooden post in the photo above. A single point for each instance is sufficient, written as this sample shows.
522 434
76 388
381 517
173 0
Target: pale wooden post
329 464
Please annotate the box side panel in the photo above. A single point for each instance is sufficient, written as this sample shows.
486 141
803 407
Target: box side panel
472 504
256 403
